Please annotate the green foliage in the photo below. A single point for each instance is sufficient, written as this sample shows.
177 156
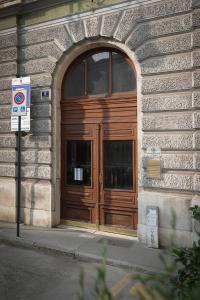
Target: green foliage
101 290
180 279
188 275
195 212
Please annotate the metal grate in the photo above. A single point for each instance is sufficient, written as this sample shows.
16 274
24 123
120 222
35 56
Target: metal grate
116 242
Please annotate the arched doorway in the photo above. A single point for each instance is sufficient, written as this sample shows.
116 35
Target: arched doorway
99 141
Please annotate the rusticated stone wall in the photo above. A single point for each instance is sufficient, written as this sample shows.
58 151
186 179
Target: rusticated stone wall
165 39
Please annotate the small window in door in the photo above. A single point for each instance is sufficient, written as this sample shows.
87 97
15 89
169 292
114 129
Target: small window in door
79 163
118 164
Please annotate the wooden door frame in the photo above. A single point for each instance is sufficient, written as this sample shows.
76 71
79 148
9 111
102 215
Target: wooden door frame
60 70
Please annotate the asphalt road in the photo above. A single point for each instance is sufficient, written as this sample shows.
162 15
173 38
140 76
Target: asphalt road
37 274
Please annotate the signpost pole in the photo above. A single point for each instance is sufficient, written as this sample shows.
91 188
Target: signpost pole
20 121
19 175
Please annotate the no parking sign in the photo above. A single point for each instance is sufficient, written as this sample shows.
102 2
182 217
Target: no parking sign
19 101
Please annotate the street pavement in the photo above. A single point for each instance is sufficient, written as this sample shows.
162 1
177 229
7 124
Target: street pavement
86 245
39 274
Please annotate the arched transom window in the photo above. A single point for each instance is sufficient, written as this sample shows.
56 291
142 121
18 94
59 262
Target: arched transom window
99 72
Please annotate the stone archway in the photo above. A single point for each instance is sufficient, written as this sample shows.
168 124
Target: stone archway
61 68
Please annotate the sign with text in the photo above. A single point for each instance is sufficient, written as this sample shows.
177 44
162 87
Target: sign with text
20 103
152 226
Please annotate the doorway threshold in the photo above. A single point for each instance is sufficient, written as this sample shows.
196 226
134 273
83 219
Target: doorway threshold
100 230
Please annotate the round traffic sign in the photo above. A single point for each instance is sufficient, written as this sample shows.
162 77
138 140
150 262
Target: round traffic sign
19 98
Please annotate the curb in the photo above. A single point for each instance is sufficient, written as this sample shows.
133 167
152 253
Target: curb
75 254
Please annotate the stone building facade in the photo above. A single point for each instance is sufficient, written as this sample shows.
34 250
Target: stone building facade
41 39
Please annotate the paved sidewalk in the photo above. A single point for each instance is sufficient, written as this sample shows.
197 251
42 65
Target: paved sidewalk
86 245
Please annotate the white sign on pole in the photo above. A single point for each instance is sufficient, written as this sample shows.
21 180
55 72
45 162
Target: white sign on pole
25 122
152 226
20 103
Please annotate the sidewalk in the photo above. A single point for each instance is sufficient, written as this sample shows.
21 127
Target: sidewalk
86 245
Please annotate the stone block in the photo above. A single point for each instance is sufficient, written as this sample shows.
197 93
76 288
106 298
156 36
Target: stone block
77 30
175 181
5 111
158 28
7 170
7 214
196 140
5 97
196 38
165 45
145 12
162 102
92 27
36 141
196 120
196 18
166 121
168 141
37 194
8 54
7 192
35 156
8 69
48 34
197 161
167 203
7 156
180 161
5 83
196 182
182 237
43 110
42 126
37 217
36 171
196 99
168 63
8 40
7 140
196 78
5 126
44 65
196 58
127 22
167 83
41 50
41 80
175 161
109 22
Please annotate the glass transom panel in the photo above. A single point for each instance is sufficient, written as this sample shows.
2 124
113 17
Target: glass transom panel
100 72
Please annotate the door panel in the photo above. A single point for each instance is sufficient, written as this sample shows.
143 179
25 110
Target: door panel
99 174
118 193
79 172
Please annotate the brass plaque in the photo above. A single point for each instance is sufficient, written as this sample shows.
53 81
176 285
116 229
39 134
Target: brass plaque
154 168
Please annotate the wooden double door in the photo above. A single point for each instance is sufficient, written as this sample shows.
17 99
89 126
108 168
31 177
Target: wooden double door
99 172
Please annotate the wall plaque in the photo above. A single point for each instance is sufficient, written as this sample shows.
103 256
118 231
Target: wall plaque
154 168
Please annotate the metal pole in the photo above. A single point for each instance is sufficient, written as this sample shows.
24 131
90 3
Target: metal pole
18 175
